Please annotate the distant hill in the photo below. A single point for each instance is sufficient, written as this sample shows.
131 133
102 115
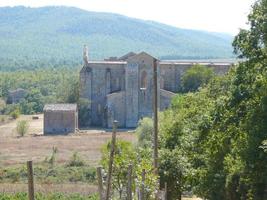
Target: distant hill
39 37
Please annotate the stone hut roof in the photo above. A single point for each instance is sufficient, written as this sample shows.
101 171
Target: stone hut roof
60 107
17 90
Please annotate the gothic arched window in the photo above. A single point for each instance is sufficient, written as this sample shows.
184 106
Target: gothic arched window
144 79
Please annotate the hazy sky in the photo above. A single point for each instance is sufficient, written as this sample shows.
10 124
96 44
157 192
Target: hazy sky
212 15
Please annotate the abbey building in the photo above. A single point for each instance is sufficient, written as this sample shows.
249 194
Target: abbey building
122 88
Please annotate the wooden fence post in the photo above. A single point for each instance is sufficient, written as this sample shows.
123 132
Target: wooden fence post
100 183
111 158
129 186
142 195
30 180
166 191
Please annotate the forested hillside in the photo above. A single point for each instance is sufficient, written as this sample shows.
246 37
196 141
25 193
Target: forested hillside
54 36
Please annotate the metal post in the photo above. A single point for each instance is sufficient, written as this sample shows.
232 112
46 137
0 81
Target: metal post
129 186
100 182
155 138
30 180
111 158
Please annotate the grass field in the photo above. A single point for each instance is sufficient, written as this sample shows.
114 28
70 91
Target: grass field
16 151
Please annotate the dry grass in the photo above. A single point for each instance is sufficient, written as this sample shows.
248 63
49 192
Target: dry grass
34 146
83 189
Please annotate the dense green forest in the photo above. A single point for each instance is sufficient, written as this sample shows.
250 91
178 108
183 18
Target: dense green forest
52 36
43 86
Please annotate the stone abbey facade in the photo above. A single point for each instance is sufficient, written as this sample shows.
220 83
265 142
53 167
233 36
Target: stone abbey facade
122 88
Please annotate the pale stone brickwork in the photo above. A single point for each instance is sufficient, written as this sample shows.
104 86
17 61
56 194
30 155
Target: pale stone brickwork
15 96
60 118
122 88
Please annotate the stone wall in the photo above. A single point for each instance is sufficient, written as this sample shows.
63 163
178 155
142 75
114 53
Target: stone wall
98 79
60 122
116 109
165 99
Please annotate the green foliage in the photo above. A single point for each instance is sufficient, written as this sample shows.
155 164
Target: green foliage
196 76
15 113
52 158
144 132
51 196
22 127
76 160
44 174
2 104
124 156
174 170
56 43
218 134
43 86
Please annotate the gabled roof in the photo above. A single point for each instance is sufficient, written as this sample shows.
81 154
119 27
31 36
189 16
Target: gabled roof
126 56
17 90
140 54
60 107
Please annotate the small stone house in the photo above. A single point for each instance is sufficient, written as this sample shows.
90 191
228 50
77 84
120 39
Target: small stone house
60 118
15 96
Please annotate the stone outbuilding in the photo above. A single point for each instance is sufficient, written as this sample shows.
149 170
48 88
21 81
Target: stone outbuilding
15 96
60 118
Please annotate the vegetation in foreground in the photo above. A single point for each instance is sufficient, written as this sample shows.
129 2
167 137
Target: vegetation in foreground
213 141
52 196
76 170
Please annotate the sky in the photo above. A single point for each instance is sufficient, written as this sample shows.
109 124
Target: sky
226 16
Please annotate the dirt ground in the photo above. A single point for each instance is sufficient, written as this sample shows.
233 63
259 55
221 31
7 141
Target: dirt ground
35 146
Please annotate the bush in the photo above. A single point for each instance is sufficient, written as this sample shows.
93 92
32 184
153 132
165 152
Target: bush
22 127
2 119
15 114
2 104
195 77
76 161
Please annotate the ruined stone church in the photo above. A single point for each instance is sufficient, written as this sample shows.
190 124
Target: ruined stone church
122 88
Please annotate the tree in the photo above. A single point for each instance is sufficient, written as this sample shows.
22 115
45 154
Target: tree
124 155
195 77
144 132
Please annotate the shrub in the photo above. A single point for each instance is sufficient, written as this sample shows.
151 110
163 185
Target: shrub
2 119
76 161
2 104
52 159
22 127
144 132
15 114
